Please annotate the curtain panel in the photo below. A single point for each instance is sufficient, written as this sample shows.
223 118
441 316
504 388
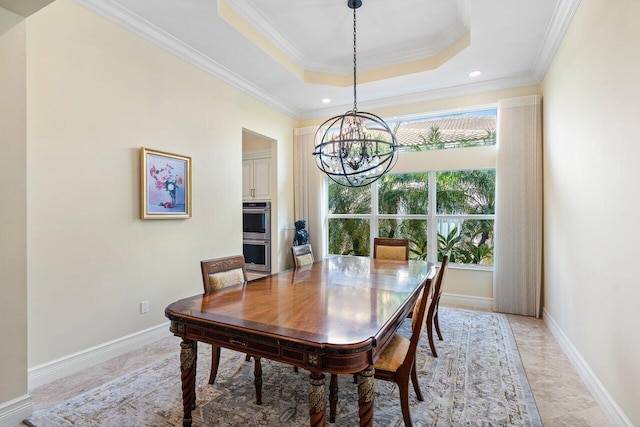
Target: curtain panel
517 276
307 187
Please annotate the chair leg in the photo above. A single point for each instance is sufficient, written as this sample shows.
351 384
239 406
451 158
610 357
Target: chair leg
215 361
295 369
414 381
257 373
333 398
430 336
435 321
247 358
403 387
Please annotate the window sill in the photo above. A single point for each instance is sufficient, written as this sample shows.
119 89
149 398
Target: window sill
470 267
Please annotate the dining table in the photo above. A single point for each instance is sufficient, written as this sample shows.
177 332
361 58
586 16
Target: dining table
334 316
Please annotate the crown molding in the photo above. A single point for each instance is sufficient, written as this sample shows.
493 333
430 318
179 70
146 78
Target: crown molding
394 55
143 28
562 17
126 19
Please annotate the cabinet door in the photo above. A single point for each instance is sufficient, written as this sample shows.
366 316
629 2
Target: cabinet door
262 178
247 179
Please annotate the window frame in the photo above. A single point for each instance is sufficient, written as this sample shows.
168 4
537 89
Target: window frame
431 217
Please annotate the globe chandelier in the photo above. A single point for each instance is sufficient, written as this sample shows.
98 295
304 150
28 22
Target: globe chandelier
356 148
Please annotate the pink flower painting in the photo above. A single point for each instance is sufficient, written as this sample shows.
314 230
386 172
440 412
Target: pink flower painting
165 184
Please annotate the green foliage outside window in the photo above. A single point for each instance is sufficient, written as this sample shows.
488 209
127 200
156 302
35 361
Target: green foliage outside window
458 193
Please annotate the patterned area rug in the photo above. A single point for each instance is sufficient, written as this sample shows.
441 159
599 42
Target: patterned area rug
477 380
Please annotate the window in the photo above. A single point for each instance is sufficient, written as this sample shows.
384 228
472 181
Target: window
398 205
450 211
441 132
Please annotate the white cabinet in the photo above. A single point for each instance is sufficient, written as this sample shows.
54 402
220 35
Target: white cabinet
256 179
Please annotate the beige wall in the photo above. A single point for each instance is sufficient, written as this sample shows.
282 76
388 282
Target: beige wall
591 203
96 94
13 225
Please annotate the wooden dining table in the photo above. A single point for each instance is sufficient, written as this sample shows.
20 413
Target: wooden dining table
334 316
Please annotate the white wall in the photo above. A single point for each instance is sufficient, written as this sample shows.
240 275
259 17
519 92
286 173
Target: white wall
591 204
96 94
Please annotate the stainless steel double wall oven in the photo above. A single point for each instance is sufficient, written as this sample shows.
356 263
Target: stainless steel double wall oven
256 234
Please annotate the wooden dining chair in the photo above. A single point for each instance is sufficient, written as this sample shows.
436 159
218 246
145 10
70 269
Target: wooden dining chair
302 255
217 274
397 362
432 314
393 249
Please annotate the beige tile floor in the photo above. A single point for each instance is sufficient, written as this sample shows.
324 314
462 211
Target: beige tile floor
560 394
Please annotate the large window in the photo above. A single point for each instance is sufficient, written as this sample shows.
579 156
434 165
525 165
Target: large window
439 212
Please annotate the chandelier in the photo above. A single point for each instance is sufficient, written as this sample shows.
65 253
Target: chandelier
356 148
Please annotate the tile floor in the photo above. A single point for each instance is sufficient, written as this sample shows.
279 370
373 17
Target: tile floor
560 394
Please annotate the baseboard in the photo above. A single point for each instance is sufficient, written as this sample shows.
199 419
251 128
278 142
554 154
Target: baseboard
70 364
14 411
606 402
467 301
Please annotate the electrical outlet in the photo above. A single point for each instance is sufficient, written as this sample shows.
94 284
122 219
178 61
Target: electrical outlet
144 307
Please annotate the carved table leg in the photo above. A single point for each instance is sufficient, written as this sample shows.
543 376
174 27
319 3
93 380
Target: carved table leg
365 396
317 400
257 379
188 359
333 397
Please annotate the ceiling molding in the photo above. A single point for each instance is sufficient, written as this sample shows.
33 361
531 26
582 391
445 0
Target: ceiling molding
262 24
562 17
394 55
123 17
143 28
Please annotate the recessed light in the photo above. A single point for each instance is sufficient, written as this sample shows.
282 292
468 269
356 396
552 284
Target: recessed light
475 73
326 100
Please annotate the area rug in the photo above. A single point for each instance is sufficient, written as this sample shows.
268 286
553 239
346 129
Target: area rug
477 380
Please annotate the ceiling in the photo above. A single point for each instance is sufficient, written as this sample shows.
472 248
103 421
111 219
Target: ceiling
291 55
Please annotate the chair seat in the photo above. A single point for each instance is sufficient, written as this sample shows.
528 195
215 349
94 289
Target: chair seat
393 354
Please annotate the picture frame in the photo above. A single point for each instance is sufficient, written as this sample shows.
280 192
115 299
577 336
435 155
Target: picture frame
165 185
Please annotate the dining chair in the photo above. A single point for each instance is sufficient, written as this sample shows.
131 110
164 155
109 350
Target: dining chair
217 274
397 362
302 255
432 315
393 249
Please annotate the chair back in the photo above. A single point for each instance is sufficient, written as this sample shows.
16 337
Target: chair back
418 322
220 273
302 255
393 249
437 289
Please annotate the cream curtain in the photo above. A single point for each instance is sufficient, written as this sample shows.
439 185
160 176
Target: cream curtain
307 187
518 228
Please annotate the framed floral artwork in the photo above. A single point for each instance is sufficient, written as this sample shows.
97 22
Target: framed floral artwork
165 185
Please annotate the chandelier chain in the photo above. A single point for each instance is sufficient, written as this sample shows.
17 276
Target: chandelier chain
355 98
